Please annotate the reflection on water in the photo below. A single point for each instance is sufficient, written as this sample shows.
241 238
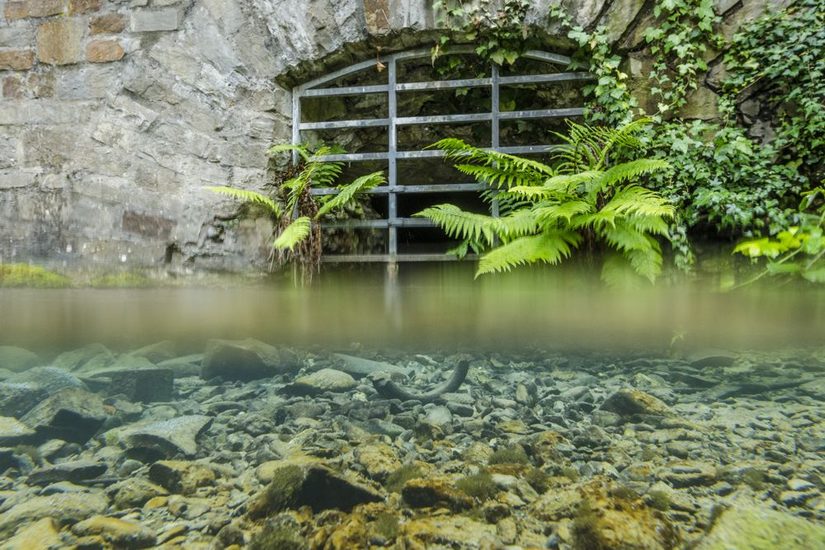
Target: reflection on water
426 306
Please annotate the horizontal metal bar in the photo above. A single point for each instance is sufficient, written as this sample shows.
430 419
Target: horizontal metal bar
542 113
538 55
367 258
347 90
443 119
540 78
333 124
408 189
429 153
379 224
443 84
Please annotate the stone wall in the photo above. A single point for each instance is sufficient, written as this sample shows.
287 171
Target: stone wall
115 113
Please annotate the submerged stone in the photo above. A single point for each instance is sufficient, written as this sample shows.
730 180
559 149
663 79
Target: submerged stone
157 352
246 360
435 492
90 357
117 532
74 471
754 526
324 380
17 359
62 507
134 492
136 378
40 535
630 402
180 476
72 414
166 438
359 367
12 431
23 391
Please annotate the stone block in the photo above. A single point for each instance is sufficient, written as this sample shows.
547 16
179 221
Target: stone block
20 35
377 16
16 60
146 225
16 10
111 23
59 41
151 20
104 51
83 6
45 8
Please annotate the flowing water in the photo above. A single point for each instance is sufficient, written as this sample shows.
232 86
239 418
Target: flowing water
276 416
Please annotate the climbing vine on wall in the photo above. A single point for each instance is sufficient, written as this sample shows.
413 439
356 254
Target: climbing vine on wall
499 33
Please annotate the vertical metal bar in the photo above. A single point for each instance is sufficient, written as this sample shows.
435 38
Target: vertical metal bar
392 153
494 112
296 122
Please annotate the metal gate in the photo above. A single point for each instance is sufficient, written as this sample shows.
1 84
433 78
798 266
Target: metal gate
392 88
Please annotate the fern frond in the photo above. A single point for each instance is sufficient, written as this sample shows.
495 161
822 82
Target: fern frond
564 211
569 183
460 224
636 200
550 247
654 225
516 224
302 150
625 238
500 177
624 137
349 191
293 234
532 191
626 171
646 262
456 149
247 196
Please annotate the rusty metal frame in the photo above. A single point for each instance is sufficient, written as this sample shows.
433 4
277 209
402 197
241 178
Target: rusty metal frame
394 188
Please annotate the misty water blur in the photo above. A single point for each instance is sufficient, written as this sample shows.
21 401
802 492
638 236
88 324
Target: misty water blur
427 307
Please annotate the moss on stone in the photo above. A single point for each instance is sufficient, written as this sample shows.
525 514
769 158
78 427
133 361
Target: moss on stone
386 525
396 480
509 455
25 275
277 535
538 480
479 486
281 493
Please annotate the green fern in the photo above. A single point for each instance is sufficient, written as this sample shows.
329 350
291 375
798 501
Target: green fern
552 209
348 192
293 234
246 195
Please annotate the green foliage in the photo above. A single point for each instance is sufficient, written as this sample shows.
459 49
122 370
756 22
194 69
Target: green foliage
722 182
509 455
547 212
25 275
781 57
296 210
610 100
798 250
498 32
396 480
679 41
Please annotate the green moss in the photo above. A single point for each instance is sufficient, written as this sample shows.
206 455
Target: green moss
25 275
480 486
624 492
396 480
538 480
585 528
658 500
386 525
509 455
280 494
570 473
126 279
278 536
755 479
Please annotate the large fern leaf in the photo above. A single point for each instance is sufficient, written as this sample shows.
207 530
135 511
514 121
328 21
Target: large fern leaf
293 234
460 224
636 200
302 150
552 213
248 196
626 171
548 247
348 192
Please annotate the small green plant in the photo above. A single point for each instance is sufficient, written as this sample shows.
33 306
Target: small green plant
583 200
25 275
509 455
295 209
797 251
538 480
396 480
480 486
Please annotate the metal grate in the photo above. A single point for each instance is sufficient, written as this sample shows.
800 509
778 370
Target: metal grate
394 188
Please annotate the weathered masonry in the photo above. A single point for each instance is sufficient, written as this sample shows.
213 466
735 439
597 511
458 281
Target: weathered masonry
115 114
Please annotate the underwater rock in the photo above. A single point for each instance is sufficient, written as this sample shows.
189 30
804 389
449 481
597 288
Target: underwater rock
62 507
448 532
74 471
306 484
134 492
438 416
87 358
117 532
40 535
136 378
435 492
360 367
23 391
378 459
166 438
755 526
180 476
158 352
631 402
12 431
324 380
72 414
181 367
246 360
17 359
712 358
688 474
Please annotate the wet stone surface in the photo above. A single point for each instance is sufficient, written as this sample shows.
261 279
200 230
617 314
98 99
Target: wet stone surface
298 450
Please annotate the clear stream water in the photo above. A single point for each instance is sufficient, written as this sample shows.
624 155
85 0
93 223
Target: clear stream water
678 416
